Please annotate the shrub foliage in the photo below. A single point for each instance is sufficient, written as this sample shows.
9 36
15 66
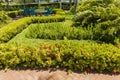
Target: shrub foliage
10 30
103 14
4 17
57 31
70 55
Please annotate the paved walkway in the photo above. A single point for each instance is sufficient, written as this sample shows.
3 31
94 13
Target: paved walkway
53 75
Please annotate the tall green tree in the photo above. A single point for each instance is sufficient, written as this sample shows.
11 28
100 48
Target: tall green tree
70 2
75 4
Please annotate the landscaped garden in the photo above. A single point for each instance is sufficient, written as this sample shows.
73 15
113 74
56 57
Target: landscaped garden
85 39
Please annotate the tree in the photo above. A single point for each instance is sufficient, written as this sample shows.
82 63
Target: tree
75 4
70 2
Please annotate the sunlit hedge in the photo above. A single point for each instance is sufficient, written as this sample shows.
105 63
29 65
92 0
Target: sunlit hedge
10 30
70 55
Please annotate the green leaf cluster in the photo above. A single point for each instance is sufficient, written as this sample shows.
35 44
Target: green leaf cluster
102 15
67 54
57 31
4 17
14 14
9 31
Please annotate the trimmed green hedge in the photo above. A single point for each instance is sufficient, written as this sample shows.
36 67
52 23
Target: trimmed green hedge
57 31
4 18
14 14
9 31
66 54
59 11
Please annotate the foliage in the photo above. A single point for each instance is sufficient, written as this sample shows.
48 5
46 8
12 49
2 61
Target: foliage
57 31
14 14
59 11
10 30
103 15
0 5
4 17
69 55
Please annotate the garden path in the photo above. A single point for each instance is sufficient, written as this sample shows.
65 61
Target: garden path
52 75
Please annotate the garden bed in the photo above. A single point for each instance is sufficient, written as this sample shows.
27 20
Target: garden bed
57 45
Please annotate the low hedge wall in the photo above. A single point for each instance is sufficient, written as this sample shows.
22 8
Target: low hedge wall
14 14
66 54
9 31
57 31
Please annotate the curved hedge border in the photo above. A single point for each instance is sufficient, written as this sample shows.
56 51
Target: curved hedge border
14 14
9 31
66 54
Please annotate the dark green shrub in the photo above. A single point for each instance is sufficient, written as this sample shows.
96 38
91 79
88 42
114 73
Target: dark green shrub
14 14
101 14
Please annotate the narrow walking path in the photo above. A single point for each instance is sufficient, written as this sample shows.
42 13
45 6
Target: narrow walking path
52 75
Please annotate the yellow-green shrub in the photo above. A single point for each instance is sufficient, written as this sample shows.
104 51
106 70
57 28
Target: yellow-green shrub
14 14
10 30
70 55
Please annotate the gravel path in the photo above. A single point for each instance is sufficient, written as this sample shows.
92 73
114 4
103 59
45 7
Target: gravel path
52 75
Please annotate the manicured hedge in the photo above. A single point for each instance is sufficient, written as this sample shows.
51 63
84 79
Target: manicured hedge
57 31
59 11
14 14
71 55
9 31
4 18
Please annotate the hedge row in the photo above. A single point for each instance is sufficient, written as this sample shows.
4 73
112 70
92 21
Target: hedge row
4 18
14 14
66 54
57 31
9 31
